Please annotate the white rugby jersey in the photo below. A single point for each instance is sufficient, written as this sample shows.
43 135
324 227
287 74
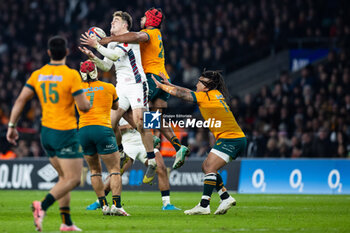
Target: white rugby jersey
128 67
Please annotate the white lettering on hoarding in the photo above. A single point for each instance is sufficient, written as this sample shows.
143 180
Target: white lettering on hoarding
186 178
337 183
261 183
298 183
20 178
4 175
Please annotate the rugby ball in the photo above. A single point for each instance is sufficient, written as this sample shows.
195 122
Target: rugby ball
97 31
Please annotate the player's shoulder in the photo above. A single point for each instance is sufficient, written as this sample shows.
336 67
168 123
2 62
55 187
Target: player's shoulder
36 73
216 93
107 86
41 69
152 32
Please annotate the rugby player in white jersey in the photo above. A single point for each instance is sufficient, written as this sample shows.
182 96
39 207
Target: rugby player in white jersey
132 85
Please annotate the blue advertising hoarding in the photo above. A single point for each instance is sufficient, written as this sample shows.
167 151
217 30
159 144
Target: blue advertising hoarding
300 58
303 176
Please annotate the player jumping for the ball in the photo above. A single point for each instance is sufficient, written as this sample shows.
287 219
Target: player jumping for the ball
132 86
153 62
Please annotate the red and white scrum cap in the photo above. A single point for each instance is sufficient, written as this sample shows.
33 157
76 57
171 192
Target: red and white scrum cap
153 18
88 68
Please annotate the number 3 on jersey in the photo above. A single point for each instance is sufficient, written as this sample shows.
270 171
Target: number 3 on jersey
53 94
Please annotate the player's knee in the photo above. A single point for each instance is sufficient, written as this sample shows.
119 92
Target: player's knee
205 167
95 169
73 181
77 182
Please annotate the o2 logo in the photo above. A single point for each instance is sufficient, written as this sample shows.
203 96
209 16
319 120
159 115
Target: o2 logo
258 180
295 180
336 184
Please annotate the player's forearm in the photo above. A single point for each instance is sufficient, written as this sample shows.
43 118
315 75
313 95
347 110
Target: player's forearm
101 64
111 54
130 37
122 127
181 88
16 111
177 91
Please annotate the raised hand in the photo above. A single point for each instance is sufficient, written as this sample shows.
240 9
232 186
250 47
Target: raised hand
90 40
156 82
165 79
87 52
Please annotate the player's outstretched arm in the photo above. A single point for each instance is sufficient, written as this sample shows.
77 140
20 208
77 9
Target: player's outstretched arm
25 95
177 91
165 81
129 37
102 65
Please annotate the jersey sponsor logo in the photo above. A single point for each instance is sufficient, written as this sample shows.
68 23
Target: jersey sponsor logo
151 120
57 78
93 89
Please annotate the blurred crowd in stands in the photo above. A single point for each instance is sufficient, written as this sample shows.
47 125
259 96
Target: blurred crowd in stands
306 117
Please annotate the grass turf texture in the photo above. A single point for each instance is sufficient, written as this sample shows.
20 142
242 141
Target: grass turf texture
253 213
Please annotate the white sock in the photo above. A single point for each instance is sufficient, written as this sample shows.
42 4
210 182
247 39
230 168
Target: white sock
221 191
166 200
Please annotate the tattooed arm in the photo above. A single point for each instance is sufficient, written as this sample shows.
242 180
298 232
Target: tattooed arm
166 82
174 90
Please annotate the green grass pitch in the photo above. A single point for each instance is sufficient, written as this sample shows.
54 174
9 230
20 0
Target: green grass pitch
253 213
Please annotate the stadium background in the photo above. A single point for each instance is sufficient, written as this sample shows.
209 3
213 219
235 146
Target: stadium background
286 63
298 108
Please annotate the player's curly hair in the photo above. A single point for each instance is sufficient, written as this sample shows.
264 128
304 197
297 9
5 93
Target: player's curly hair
216 82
